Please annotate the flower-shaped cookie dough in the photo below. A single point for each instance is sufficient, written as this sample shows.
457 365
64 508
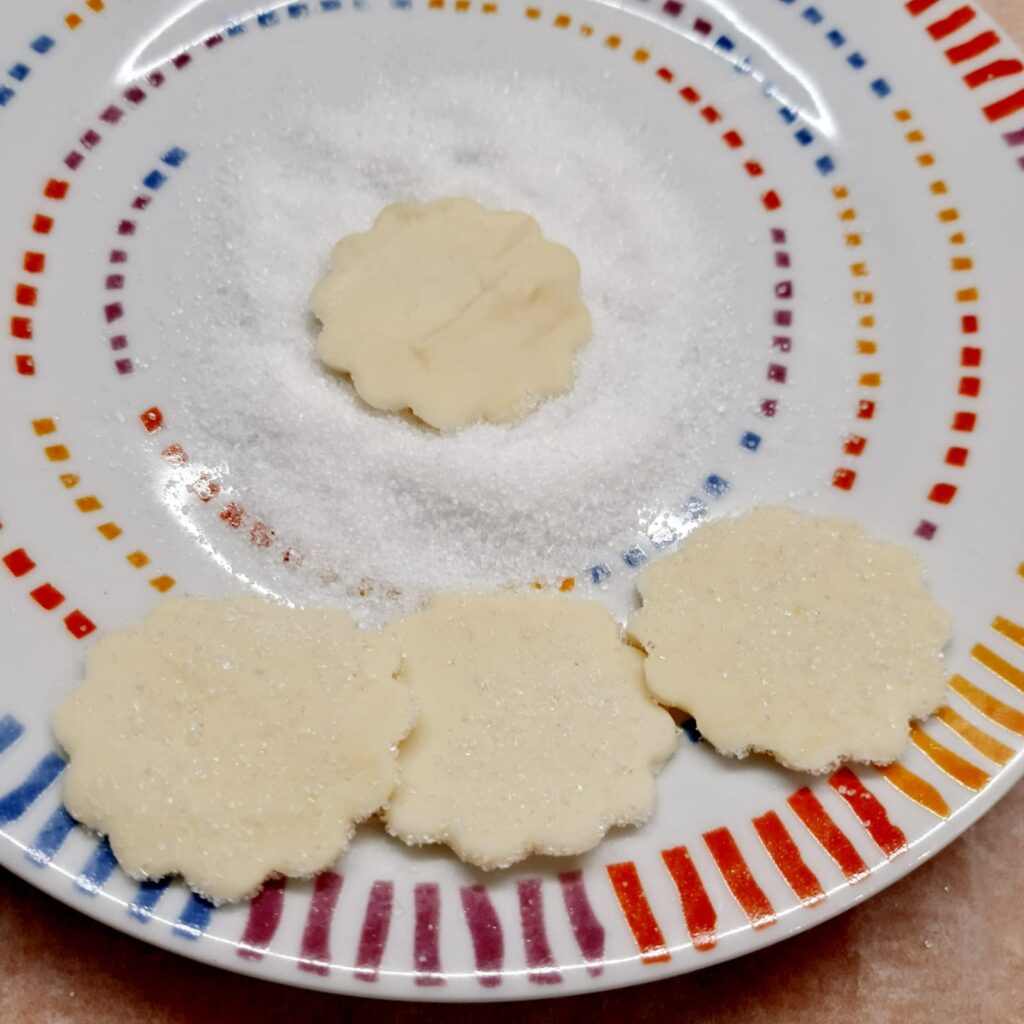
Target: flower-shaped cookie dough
536 731
230 740
795 635
454 311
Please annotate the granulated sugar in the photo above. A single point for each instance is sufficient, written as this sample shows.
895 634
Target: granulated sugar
368 495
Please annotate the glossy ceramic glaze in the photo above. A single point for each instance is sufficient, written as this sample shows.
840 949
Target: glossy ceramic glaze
862 162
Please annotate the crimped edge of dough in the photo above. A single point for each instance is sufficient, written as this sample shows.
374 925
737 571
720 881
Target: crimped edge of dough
271 873
530 848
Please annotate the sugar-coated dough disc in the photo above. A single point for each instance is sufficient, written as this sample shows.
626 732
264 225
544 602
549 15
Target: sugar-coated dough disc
536 731
230 740
455 311
796 635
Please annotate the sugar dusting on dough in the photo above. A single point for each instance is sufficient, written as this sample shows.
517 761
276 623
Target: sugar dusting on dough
364 496
536 731
795 635
454 311
230 740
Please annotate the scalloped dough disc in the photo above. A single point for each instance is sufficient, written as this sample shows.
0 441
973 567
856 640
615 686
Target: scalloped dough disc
536 731
455 311
795 635
230 740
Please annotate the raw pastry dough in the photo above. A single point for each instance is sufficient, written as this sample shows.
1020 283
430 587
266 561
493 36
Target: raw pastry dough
795 635
229 740
536 731
455 311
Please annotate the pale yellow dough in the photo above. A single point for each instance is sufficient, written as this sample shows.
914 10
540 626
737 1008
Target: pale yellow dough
455 311
795 635
229 740
536 731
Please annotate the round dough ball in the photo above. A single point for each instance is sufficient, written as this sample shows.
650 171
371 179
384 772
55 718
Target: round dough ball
795 635
230 740
536 731
454 311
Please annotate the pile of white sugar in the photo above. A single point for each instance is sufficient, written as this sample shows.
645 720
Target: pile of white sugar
367 495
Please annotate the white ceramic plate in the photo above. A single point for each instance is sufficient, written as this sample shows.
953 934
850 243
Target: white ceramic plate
859 167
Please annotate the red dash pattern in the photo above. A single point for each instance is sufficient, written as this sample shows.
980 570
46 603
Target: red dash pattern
888 837
990 72
745 890
831 837
943 29
950 24
46 596
972 48
786 856
79 625
18 562
637 911
1005 107
697 908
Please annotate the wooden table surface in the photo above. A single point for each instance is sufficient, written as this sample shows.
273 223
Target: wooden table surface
944 945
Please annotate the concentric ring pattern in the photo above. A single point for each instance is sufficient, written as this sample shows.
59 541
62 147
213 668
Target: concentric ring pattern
873 222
